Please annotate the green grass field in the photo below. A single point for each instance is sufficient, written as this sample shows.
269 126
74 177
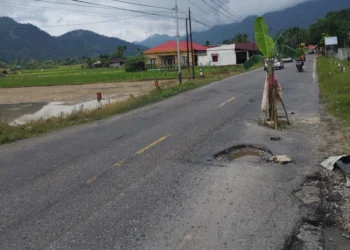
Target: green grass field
335 87
76 75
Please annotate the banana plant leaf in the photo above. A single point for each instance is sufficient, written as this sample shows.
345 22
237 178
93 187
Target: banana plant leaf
284 51
263 40
252 61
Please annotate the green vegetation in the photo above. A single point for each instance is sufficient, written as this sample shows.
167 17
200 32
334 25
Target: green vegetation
293 37
75 75
335 23
239 38
335 87
13 133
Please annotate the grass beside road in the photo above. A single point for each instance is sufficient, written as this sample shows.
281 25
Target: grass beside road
13 133
335 87
75 76
335 93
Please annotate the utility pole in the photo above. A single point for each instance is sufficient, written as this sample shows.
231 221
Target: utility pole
178 41
188 52
192 52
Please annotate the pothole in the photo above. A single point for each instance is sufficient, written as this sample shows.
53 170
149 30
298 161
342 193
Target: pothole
245 152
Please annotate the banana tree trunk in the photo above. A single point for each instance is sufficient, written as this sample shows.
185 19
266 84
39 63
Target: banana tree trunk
272 105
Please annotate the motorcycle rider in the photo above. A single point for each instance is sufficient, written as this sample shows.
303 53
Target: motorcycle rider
302 57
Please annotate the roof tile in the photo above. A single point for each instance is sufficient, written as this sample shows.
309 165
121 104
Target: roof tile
171 46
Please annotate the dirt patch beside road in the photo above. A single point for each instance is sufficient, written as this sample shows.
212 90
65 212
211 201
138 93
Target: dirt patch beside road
72 94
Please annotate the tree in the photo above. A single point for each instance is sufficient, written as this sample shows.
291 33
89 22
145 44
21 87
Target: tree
207 43
323 39
3 64
89 62
119 52
239 38
135 63
335 23
293 37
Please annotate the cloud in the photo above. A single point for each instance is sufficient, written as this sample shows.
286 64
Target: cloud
134 26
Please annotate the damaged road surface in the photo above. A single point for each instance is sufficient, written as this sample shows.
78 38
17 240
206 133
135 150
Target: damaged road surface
148 179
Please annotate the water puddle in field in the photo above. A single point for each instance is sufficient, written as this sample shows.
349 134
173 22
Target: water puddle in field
22 113
9 112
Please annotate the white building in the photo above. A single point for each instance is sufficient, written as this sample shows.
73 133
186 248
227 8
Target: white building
227 54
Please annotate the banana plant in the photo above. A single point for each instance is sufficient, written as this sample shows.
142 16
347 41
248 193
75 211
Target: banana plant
269 49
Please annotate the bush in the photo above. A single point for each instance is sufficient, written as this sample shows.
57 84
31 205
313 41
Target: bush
135 63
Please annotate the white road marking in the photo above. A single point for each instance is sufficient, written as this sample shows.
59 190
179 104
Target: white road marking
314 73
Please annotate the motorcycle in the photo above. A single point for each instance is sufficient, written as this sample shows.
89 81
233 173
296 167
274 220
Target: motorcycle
300 65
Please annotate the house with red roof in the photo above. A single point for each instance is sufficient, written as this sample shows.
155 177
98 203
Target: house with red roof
165 55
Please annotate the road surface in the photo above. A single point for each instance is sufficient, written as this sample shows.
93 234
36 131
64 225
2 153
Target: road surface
147 179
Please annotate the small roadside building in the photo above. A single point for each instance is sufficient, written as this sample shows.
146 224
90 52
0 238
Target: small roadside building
116 62
165 54
228 54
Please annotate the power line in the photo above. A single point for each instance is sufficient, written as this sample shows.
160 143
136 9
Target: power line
118 8
199 21
144 5
78 24
203 23
56 10
204 11
223 8
106 21
218 11
100 6
206 25
227 8
63 3
10 4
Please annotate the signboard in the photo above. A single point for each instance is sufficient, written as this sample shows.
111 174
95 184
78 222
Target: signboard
333 40
302 44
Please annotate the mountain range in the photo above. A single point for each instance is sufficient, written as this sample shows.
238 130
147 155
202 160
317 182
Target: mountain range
25 41
302 15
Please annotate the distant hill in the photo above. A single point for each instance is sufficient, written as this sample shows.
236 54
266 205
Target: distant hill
154 40
302 15
26 41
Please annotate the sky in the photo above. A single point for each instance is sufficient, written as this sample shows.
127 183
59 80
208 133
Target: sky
134 22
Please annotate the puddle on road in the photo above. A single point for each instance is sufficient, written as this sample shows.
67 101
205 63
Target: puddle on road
9 112
248 153
243 154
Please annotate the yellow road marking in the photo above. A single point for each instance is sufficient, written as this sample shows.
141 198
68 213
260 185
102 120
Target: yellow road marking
231 99
92 180
119 163
153 144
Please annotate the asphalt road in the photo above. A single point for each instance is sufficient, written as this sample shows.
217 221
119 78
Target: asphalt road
147 179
